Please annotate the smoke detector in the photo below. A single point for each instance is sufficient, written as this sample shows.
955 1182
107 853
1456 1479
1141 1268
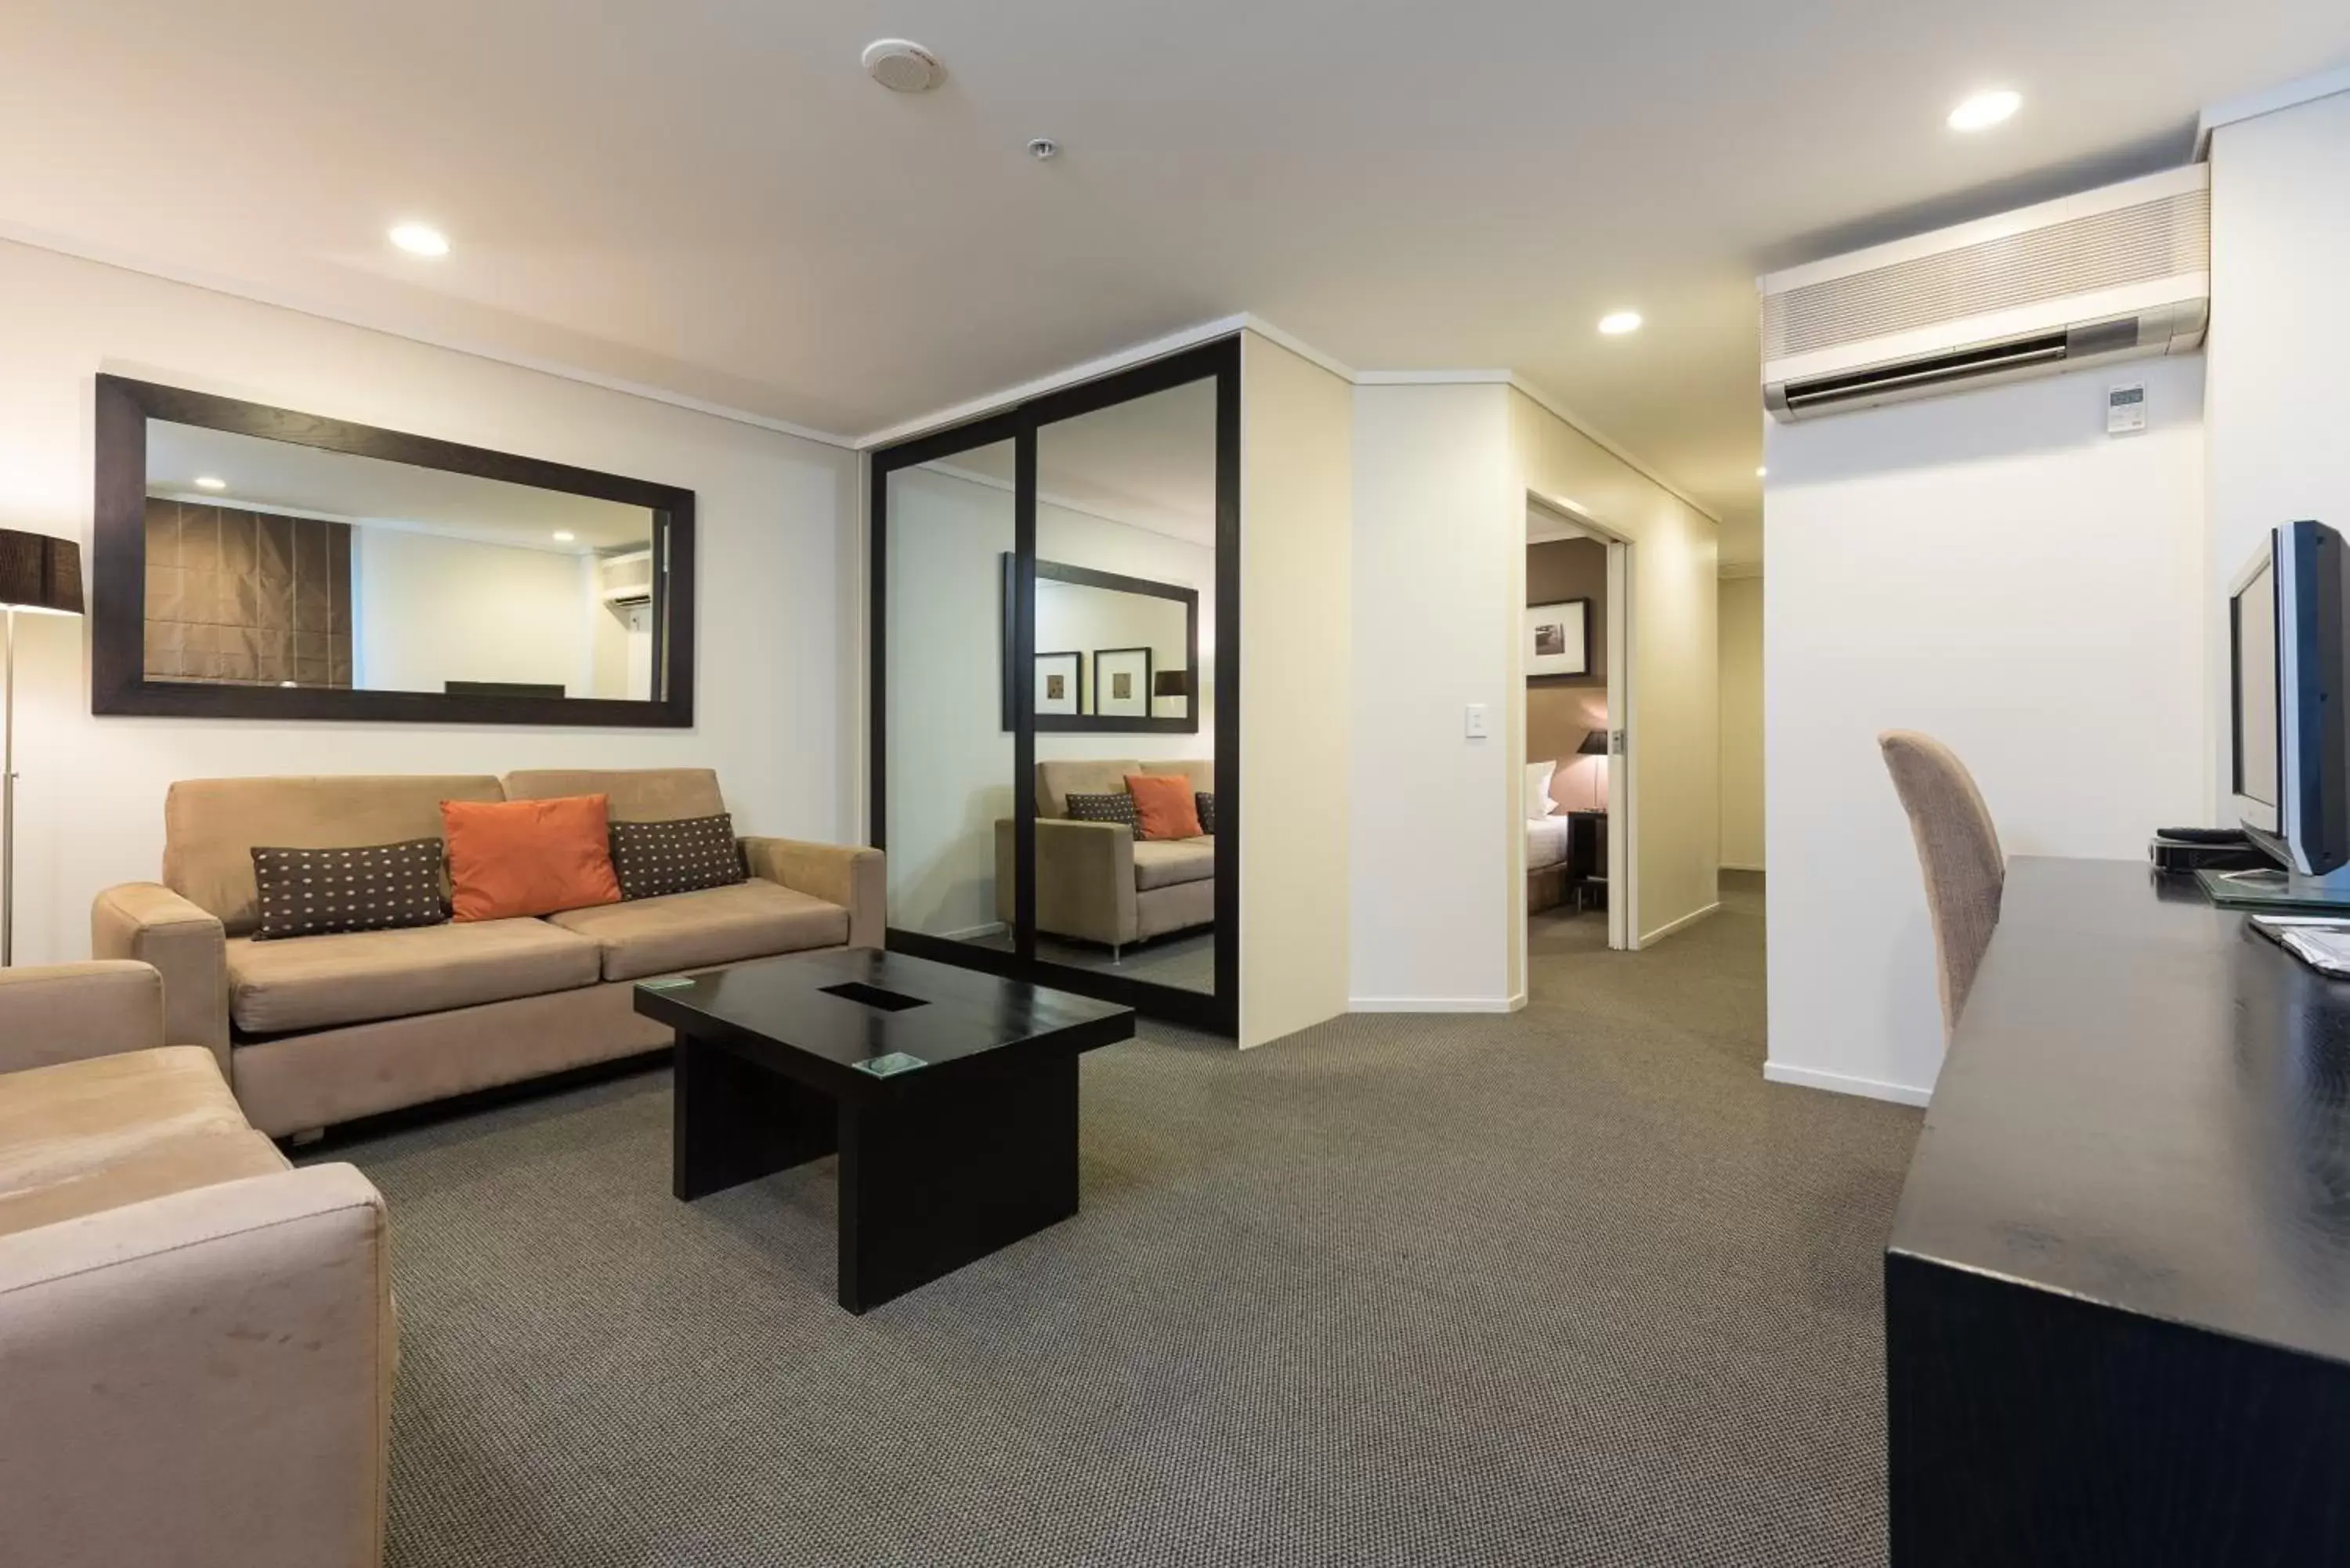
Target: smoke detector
902 66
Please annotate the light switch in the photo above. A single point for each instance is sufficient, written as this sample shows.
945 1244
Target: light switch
1476 730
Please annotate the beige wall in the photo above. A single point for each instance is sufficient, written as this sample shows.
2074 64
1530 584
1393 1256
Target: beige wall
1673 787
1740 619
1296 522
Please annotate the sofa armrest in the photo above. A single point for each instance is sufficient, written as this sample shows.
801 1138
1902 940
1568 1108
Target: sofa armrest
1084 878
150 923
201 1378
846 875
69 1011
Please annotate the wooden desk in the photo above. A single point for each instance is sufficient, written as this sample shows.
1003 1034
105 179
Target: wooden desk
2117 1294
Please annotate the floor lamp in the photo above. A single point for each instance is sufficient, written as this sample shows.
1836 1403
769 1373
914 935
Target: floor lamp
43 576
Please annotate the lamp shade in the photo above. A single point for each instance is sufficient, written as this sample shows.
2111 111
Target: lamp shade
1595 744
38 572
1171 683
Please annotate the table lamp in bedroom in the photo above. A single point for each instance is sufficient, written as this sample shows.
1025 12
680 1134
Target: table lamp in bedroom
42 576
1595 744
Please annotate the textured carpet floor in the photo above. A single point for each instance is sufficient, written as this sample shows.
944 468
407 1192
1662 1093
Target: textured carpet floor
1572 1286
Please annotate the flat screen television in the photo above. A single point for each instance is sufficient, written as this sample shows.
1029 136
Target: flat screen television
2289 661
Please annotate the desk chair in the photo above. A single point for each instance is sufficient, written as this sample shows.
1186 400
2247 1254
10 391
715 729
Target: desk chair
1958 850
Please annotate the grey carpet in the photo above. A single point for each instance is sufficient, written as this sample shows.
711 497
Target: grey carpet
1572 1286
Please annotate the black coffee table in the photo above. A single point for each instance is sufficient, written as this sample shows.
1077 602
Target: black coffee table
950 1095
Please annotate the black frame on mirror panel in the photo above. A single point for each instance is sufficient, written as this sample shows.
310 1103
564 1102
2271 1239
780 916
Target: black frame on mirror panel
119 682
1082 721
1217 1011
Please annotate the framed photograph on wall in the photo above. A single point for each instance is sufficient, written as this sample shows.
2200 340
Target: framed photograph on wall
1558 639
1059 677
1122 682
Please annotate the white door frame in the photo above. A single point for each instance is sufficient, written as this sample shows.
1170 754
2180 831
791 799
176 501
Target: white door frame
1623 769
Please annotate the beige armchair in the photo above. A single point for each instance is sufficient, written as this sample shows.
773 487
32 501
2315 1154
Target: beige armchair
196 1341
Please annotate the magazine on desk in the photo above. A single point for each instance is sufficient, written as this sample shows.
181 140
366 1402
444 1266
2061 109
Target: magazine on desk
2322 943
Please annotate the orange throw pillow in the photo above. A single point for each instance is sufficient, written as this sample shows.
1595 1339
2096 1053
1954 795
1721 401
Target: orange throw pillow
1164 805
528 857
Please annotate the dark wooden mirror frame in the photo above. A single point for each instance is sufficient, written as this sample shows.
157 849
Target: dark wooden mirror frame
1096 724
119 573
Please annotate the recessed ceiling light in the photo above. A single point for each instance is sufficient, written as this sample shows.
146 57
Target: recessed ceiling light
1616 323
563 536
1985 109
420 239
1044 149
1761 472
211 482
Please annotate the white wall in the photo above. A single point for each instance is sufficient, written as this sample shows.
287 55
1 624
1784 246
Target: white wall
1297 634
778 579
431 608
1442 473
2280 336
1995 570
1673 782
1434 532
1740 662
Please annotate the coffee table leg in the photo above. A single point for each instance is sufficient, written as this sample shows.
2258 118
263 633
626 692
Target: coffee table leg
736 1122
930 1182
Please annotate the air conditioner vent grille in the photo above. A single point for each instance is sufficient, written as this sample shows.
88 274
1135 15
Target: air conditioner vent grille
2106 250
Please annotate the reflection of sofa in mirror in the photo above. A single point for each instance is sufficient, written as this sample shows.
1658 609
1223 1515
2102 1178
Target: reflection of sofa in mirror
1095 880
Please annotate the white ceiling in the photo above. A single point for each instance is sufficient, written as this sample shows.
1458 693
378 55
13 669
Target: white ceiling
1150 461
712 198
284 476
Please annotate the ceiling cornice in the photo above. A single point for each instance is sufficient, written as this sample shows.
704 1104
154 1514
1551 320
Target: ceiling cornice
391 325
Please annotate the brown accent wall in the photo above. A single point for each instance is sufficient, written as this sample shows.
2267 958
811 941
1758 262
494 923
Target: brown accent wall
1562 709
246 598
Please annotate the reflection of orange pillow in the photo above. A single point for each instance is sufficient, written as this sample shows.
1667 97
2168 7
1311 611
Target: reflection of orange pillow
528 857
1163 804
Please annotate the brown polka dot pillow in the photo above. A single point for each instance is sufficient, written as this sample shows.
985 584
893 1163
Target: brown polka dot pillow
380 888
1118 808
657 857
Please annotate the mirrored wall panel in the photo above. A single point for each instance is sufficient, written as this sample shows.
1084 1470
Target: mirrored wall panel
1049 744
1125 574
273 564
950 763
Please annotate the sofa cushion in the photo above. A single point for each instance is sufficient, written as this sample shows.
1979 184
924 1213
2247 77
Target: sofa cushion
1164 862
374 887
1057 780
512 858
654 858
713 926
79 1138
210 826
632 795
309 983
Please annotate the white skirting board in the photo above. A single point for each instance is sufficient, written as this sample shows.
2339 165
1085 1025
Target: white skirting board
1436 1003
1844 1083
1668 927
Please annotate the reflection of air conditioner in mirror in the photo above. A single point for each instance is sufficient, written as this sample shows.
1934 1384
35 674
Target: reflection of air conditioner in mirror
627 580
2123 273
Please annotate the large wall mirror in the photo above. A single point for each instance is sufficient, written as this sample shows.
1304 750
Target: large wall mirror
1053 626
1114 654
255 563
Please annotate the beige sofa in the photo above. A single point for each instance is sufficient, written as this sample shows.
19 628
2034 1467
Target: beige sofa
1095 880
312 1031
196 1342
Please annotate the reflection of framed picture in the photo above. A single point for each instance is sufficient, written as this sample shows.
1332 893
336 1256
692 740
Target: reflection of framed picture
1059 677
1558 639
1122 682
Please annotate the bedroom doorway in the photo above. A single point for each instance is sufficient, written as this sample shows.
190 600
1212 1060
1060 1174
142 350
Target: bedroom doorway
1574 657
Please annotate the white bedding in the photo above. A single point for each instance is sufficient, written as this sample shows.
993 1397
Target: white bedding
1545 841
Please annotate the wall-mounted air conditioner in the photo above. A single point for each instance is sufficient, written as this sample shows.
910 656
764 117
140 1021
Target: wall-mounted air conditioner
2115 274
626 579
